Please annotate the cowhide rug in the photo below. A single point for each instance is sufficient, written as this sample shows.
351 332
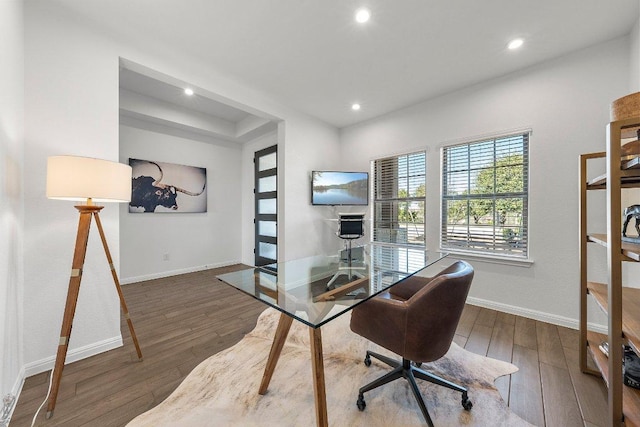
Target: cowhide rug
223 390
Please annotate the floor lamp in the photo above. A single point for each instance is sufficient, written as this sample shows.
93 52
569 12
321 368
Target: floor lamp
89 180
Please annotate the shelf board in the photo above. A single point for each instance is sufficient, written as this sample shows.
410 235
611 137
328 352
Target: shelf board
600 182
630 310
630 396
630 176
630 250
633 163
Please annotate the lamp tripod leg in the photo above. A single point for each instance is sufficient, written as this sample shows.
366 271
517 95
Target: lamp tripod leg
70 306
123 304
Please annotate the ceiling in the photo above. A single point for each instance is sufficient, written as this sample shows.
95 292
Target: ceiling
155 88
313 56
149 99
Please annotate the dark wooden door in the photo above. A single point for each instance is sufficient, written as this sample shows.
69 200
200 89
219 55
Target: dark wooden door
266 205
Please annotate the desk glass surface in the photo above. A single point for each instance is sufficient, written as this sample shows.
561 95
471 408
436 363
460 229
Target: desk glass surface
299 288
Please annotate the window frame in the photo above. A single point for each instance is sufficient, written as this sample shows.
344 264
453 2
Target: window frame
396 201
484 254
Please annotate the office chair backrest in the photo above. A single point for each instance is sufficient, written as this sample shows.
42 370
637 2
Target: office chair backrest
351 226
434 311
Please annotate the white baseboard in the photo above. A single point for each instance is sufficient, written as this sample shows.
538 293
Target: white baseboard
47 363
17 386
15 392
535 314
135 279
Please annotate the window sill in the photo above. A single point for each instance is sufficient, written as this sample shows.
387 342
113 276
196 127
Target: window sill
494 259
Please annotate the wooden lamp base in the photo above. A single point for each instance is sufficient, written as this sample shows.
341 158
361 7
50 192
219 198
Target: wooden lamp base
87 212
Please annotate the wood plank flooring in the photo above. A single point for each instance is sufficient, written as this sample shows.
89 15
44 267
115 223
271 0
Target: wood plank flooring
182 320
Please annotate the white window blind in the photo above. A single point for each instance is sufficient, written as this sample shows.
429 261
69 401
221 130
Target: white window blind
485 189
392 265
399 199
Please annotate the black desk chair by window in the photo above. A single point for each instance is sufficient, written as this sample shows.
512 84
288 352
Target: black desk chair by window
350 227
417 320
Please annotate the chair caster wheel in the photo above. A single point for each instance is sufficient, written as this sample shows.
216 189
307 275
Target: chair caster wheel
466 403
417 364
361 403
367 360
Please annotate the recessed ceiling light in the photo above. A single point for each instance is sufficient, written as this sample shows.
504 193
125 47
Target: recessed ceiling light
188 91
515 43
355 107
362 15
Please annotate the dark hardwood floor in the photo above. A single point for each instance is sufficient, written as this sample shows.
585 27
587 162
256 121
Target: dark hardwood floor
182 320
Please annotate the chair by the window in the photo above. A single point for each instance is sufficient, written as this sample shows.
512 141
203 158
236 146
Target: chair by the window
417 320
350 227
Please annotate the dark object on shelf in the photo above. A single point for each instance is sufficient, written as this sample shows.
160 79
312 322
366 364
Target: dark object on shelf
630 365
631 368
632 211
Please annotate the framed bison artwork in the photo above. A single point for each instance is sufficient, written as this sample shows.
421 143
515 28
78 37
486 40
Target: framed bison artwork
167 187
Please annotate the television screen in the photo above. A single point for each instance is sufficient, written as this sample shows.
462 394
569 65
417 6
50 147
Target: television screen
339 188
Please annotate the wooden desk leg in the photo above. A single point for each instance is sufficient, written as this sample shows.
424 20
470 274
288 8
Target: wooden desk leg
318 377
284 324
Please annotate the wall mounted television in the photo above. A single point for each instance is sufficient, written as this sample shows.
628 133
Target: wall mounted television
334 188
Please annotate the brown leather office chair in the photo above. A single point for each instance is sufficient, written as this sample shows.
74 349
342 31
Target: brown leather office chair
417 320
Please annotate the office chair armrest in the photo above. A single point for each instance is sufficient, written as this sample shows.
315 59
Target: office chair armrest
381 320
408 287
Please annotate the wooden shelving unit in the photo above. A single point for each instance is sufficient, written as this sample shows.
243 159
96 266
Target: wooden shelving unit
620 303
630 396
630 311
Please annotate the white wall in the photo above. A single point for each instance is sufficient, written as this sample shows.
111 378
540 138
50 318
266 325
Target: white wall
308 231
65 114
193 241
71 107
634 58
566 104
11 199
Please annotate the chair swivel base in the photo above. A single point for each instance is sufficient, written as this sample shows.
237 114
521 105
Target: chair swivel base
351 274
409 372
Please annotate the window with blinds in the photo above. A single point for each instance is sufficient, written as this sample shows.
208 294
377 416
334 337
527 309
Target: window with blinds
399 199
485 196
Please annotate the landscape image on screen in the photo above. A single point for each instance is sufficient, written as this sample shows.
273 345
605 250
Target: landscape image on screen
339 188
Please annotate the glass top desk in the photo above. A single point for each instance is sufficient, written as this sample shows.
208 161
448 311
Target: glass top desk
318 289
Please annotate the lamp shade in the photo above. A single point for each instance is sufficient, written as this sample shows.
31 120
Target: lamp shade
82 178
